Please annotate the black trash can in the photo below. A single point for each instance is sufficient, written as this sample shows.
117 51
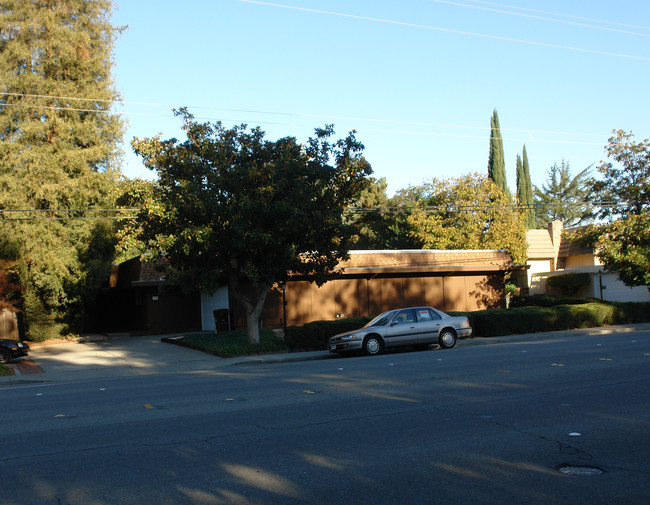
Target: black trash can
221 319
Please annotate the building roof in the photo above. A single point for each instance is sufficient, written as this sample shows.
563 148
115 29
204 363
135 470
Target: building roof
570 248
427 260
540 245
133 272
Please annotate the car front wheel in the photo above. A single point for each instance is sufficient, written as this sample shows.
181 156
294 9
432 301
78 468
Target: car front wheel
4 356
447 338
372 346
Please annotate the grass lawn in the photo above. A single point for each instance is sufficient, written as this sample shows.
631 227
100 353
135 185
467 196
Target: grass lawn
234 343
5 370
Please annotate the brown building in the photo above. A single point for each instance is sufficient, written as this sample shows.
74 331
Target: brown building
370 282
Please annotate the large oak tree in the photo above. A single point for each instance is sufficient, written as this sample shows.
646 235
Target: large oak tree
230 204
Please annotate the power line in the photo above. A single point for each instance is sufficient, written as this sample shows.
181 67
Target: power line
529 133
447 30
542 18
559 14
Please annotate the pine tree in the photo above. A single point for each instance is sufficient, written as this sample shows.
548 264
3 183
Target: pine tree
525 190
496 160
563 197
59 149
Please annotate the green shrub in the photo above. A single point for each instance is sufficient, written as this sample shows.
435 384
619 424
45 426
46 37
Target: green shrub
568 283
547 301
314 335
233 343
532 319
5 370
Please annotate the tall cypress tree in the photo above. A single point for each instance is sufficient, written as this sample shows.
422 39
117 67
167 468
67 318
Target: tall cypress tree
496 160
525 195
59 149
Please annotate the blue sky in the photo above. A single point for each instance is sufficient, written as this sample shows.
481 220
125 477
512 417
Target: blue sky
418 79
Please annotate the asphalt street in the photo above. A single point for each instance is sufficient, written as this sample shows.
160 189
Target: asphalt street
493 424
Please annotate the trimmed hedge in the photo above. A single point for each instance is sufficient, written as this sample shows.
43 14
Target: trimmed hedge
544 314
314 335
232 343
549 301
533 319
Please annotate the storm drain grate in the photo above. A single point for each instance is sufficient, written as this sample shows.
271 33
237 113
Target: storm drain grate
581 471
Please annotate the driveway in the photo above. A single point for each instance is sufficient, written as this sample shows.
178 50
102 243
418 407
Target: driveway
95 357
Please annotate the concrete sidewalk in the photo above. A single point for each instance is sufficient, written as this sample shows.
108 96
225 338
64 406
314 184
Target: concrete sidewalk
95 357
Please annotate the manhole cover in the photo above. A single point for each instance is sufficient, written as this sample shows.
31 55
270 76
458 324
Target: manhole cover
582 471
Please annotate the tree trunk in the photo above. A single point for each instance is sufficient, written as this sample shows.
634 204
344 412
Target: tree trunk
254 306
253 314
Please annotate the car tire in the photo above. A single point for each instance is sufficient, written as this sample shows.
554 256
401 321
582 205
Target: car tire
372 345
5 356
447 338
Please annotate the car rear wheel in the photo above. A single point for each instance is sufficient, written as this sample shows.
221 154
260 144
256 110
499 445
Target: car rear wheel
447 338
372 345
4 355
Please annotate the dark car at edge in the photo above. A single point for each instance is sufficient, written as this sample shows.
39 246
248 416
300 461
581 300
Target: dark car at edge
11 349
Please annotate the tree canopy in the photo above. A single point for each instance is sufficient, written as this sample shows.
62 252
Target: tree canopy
469 212
229 203
563 197
624 187
623 193
59 155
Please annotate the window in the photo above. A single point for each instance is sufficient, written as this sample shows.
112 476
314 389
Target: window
405 316
428 315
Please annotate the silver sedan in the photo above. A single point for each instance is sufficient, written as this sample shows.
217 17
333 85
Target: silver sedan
408 327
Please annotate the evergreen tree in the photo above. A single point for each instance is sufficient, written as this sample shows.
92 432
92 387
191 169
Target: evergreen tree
59 149
563 197
496 159
525 190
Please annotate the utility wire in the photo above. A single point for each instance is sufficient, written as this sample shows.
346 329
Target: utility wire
542 18
448 30
559 14
529 133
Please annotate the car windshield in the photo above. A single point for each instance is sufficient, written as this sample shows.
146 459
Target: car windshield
382 319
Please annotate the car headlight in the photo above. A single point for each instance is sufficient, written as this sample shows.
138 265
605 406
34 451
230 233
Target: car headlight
350 337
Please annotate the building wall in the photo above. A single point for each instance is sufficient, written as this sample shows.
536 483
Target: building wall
537 281
614 289
211 302
581 260
355 297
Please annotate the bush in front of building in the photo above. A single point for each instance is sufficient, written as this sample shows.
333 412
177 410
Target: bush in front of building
568 283
314 336
547 301
232 343
534 319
